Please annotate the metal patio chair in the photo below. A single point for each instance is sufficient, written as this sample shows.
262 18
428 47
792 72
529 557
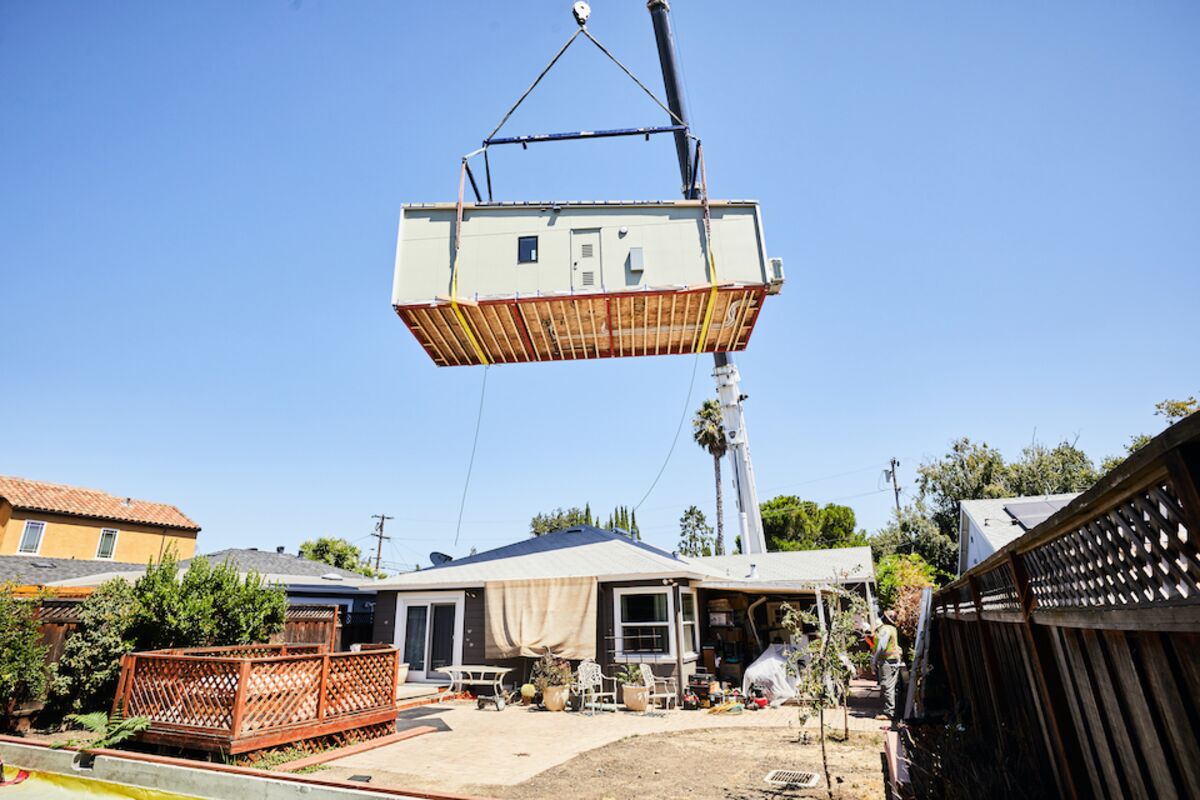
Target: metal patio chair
660 688
590 684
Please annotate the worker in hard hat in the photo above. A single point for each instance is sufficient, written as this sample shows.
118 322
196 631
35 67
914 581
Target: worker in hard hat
885 658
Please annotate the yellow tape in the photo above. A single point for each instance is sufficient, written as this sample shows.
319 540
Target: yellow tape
712 299
462 320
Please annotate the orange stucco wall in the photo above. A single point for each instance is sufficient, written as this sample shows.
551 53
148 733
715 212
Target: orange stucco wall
79 537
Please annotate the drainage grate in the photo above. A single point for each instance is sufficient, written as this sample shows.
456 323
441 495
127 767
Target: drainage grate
791 779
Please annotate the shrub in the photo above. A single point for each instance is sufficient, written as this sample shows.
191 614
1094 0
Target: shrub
23 670
208 606
91 660
895 572
550 670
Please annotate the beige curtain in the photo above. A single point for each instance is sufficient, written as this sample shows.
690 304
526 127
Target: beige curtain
524 618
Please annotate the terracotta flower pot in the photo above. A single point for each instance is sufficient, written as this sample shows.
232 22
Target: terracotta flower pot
636 698
554 698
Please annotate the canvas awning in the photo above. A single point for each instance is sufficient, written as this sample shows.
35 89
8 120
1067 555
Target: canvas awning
527 617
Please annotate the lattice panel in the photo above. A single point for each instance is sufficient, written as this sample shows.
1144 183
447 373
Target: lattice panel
996 590
194 692
359 682
320 744
281 693
1137 554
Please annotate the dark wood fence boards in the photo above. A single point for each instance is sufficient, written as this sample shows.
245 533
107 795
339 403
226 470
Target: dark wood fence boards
1080 642
239 699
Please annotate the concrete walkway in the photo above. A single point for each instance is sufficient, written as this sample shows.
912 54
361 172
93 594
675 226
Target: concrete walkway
475 747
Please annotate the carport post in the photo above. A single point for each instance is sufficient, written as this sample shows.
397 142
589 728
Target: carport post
679 685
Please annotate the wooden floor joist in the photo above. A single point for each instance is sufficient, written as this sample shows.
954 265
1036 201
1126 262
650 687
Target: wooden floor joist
601 325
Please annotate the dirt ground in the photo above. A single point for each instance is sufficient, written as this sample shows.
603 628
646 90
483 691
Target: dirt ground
708 764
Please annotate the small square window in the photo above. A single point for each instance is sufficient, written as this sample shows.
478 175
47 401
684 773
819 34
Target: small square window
527 249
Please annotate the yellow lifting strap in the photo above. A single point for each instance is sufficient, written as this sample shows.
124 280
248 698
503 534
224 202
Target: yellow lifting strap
458 222
712 261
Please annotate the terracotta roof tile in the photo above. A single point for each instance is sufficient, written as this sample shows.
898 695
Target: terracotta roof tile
33 495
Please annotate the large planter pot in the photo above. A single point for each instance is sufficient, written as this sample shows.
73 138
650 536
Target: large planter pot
402 673
554 698
636 698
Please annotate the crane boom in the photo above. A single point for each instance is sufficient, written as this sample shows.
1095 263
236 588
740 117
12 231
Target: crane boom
725 371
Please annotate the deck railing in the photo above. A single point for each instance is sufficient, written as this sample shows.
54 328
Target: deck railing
1077 646
236 699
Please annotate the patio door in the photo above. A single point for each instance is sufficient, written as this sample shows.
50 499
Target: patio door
429 632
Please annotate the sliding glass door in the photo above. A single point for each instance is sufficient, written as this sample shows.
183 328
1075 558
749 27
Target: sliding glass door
430 634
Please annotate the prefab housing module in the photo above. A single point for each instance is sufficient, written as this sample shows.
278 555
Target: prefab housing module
560 281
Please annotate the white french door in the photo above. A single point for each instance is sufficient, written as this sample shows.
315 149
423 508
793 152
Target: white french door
429 633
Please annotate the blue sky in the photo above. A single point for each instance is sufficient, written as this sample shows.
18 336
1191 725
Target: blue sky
988 212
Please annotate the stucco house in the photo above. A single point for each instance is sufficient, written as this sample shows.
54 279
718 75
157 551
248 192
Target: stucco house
54 521
590 593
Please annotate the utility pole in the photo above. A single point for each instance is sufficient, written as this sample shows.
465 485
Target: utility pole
725 371
378 534
891 473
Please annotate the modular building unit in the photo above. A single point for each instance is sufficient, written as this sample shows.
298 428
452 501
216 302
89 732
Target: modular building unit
560 281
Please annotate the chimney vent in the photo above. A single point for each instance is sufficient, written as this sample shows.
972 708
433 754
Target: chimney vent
279 549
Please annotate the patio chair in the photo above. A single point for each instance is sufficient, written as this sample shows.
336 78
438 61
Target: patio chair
664 689
590 685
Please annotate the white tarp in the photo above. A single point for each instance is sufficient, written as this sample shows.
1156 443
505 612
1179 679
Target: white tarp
769 672
527 618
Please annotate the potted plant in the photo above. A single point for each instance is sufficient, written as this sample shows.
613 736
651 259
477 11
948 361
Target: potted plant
634 694
552 677
528 690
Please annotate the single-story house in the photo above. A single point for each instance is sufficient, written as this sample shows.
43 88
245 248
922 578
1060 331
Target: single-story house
590 593
41 571
984 526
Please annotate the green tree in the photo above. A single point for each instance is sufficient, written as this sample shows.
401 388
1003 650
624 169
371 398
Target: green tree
1045 470
623 519
1175 410
824 669
913 531
23 670
207 606
695 534
87 673
968 472
790 523
1135 443
708 431
558 520
337 552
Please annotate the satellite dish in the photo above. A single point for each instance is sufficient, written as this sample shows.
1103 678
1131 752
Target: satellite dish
437 559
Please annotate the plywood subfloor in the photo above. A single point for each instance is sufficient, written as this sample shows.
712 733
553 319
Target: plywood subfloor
586 326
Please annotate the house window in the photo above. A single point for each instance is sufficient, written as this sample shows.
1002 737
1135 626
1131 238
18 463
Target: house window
527 248
645 622
108 543
691 637
31 537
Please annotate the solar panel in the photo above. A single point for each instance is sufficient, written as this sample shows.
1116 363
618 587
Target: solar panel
1032 513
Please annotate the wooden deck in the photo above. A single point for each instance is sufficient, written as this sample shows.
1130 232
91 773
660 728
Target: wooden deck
238 699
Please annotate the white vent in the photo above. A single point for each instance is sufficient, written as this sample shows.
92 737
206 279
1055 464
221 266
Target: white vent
589 278
585 250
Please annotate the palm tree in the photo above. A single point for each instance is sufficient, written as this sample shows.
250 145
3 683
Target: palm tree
708 431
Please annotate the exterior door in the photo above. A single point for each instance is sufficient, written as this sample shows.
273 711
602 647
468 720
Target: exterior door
585 259
429 634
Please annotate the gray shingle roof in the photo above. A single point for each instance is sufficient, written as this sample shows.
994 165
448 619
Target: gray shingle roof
36 570
269 562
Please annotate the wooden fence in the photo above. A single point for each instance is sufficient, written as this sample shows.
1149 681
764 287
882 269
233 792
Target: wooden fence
1078 644
59 617
239 699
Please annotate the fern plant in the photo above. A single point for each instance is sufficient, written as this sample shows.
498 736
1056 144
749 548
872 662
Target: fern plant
108 731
